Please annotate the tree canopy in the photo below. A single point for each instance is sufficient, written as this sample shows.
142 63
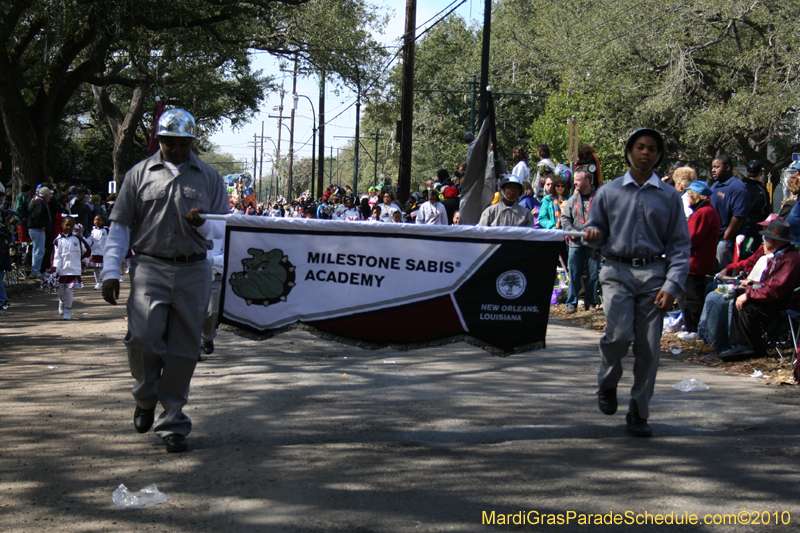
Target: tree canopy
713 76
51 52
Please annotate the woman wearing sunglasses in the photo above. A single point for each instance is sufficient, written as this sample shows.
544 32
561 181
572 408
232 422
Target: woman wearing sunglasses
552 204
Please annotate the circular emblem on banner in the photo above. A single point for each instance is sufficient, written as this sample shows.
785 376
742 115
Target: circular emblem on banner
511 284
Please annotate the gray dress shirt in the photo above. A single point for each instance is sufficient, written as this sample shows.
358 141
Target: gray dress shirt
501 214
642 222
153 203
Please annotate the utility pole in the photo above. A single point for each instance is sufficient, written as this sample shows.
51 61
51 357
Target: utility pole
358 123
261 162
291 134
487 25
280 118
407 101
255 160
313 138
321 183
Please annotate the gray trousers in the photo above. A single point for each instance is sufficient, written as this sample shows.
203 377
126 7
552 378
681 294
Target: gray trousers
631 317
166 310
212 313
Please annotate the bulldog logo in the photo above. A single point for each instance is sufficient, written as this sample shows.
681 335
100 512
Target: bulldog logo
267 278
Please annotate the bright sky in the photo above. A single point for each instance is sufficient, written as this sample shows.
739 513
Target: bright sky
336 100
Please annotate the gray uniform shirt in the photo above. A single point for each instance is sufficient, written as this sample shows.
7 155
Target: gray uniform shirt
641 222
501 214
153 203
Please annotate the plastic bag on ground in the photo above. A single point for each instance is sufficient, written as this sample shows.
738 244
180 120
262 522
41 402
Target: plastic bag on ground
690 385
148 496
673 321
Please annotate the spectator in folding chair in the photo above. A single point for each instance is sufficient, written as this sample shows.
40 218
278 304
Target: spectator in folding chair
715 319
762 302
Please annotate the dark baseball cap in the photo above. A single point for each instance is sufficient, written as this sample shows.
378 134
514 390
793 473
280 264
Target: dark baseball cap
754 167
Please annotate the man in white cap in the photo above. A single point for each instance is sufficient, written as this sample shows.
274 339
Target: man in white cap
646 247
157 214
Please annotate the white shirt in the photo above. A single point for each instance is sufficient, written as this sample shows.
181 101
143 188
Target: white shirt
351 215
432 214
67 255
98 238
521 171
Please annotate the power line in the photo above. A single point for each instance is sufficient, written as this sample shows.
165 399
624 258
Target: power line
441 19
416 37
439 13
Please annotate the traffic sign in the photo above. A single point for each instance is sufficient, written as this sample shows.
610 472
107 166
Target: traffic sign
796 156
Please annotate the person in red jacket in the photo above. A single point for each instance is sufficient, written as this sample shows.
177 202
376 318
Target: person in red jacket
704 226
763 302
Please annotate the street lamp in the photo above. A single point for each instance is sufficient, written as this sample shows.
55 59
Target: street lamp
313 138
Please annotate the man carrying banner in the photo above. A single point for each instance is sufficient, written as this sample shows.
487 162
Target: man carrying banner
646 246
507 212
157 214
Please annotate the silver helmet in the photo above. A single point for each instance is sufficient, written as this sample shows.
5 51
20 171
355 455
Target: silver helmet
176 123
510 178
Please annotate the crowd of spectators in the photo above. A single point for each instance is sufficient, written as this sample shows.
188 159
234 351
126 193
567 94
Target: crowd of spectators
36 215
744 268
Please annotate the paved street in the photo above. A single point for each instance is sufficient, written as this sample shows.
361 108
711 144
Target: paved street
300 434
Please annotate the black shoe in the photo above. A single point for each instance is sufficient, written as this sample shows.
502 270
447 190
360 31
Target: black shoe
208 347
143 419
607 401
636 426
176 443
737 353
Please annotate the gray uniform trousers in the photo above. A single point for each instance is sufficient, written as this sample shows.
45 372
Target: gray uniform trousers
166 311
631 317
212 313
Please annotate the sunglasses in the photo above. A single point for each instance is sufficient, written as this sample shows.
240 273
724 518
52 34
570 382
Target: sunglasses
562 186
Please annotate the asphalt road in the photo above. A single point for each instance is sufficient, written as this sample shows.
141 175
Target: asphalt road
300 434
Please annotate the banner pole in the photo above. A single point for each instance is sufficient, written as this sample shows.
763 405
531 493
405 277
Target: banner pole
212 216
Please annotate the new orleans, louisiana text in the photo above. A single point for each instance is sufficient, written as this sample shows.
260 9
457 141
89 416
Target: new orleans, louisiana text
508 312
535 518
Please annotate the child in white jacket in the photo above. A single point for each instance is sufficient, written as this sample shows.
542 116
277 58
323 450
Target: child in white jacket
97 240
69 250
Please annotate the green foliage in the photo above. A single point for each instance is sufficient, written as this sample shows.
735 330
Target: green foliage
713 76
196 53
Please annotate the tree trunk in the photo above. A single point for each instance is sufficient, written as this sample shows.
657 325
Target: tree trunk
123 129
27 147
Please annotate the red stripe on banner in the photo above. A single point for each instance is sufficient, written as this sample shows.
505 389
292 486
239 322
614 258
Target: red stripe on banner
389 325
